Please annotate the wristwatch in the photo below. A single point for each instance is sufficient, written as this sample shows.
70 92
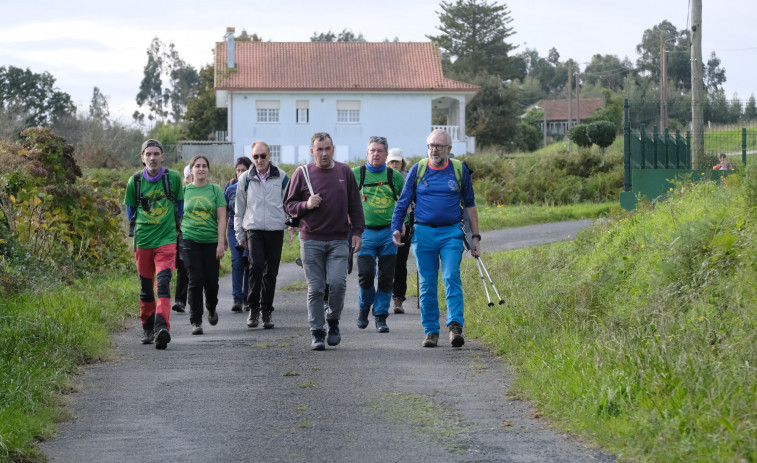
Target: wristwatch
476 236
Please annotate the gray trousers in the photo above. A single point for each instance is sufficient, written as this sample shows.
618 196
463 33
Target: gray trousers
325 262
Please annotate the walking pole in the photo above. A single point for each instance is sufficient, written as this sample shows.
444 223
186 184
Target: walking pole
488 298
501 301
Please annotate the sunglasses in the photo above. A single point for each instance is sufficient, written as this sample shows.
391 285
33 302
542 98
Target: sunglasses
258 156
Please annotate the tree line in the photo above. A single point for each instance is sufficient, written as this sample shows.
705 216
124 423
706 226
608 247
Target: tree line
475 39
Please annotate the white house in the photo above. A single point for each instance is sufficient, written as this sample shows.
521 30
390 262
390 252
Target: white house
284 92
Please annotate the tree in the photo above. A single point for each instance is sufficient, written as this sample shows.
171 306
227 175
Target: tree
202 116
33 98
168 83
344 36
714 75
473 37
677 52
750 110
492 116
608 71
602 134
98 106
579 134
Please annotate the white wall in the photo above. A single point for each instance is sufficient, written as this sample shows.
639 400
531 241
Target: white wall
405 119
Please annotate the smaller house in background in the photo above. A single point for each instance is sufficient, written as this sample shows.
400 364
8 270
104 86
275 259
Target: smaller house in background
556 114
283 92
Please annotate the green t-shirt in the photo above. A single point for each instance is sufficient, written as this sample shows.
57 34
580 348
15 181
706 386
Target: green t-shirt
378 201
157 227
200 222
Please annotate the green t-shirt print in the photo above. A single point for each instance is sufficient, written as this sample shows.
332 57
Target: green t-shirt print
157 227
200 222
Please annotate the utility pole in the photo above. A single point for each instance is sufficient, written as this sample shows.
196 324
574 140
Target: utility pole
578 100
663 85
570 104
697 86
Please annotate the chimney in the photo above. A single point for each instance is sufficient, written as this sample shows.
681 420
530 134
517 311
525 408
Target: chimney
230 47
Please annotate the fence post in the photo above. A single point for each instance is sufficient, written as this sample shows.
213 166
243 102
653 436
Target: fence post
679 147
642 151
743 145
666 139
656 150
626 147
688 149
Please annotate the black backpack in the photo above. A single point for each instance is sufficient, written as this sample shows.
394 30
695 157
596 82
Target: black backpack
141 201
389 180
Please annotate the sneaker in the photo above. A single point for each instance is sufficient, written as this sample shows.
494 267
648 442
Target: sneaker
431 340
267 316
398 305
381 326
333 338
318 343
237 306
148 337
178 306
362 319
456 334
196 328
252 318
213 317
162 339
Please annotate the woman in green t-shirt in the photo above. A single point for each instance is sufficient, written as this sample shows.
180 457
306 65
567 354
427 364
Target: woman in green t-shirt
203 230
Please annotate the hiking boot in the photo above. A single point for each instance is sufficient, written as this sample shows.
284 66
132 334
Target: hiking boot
318 343
456 334
362 319
333 338
196 328
237 306
398 305
252 318
267 318
381 324
148 337
162 339
178 306
246 307
213 317
431 340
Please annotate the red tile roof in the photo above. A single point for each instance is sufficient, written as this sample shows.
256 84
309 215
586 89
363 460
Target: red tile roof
557 110
334 66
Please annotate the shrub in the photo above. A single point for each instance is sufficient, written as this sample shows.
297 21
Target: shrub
580 135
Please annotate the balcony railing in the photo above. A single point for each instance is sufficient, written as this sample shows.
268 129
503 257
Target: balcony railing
453 131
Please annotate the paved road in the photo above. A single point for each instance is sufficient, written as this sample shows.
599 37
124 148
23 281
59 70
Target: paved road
236 394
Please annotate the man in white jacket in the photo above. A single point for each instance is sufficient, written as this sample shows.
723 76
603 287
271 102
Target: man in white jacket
259 226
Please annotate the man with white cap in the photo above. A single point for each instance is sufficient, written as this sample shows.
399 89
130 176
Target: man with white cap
154 202
396 160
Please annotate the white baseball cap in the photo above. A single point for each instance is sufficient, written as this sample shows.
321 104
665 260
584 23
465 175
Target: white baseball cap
395 154
186 172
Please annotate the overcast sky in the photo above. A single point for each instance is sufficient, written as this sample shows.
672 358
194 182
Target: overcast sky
100 43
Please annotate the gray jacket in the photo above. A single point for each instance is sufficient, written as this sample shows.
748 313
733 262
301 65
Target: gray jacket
258 207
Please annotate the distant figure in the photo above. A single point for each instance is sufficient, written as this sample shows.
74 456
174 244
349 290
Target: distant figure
724 164
182 279
239 253
396 160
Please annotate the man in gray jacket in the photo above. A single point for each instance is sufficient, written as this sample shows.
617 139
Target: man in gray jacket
259 226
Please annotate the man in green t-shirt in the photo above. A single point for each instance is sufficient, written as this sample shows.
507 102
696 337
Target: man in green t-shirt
155 209
379 188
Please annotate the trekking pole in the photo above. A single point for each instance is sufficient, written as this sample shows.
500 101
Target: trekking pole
488 298
501 301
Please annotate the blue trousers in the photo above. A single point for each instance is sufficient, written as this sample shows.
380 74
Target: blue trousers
238 268
377 251
430 245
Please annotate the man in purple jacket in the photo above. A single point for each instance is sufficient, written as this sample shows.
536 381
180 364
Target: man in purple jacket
326 217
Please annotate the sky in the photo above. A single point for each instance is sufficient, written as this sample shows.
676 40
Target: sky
87 43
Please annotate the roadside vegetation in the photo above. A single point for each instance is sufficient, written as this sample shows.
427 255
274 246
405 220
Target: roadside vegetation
640 334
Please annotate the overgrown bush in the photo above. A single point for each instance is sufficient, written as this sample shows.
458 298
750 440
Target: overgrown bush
58 218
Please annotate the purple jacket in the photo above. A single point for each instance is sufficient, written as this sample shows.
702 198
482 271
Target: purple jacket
340 201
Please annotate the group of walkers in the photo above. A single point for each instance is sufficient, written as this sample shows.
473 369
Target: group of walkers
375 211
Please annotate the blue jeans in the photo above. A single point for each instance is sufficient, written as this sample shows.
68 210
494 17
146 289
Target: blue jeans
324 262
238 268
429 246
377 246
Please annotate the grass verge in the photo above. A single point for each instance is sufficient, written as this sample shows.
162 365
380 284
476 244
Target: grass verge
641 334
44 338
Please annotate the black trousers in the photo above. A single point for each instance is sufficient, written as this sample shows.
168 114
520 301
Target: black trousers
182 279
399 287
264 257
202 266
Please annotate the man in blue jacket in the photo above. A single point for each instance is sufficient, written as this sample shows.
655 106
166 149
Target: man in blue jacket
440 188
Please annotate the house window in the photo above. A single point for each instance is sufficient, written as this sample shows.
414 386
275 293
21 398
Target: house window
348 111
303 112
268 111
275 153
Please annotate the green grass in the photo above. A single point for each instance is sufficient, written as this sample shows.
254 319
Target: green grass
641 334
44 338
498 217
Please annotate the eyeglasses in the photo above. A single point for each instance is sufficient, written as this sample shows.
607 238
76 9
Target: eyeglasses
258 156
379 151
436 147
